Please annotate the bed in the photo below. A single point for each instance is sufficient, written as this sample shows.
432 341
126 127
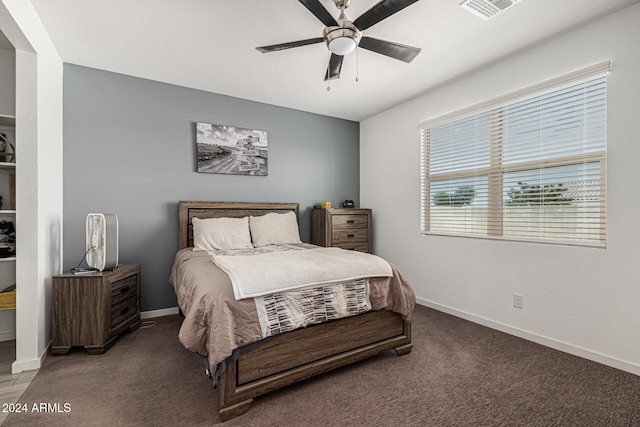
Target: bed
252 369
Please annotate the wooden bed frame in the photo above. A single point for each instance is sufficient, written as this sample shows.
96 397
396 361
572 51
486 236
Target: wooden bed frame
297 355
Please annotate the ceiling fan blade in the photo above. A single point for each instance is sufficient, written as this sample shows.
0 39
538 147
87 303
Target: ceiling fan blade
320 12
380 11
289 45
335 65
394 50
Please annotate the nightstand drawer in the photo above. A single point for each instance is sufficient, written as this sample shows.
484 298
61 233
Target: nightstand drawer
350 221
350 235
123 311
123 289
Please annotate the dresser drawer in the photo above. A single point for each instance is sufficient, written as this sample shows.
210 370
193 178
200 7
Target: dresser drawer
354 246
350 235
349 221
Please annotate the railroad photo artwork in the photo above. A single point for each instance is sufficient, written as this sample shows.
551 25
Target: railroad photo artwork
231 150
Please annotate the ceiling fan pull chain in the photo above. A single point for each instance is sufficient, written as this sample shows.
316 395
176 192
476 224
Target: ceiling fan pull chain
328 73
357 65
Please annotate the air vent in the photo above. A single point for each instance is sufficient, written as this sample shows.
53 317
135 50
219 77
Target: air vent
487 9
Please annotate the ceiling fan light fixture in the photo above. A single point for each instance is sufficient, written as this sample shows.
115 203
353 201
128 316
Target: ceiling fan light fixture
342 41
342 45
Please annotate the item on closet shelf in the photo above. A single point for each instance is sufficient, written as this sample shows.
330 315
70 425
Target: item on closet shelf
11 155
8 298
4 251
12 189
9 289
7 239
6 156
325 205
3 144
7 229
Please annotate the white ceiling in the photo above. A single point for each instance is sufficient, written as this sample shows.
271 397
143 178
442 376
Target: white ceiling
210 45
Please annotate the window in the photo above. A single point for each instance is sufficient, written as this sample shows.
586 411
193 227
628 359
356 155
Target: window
529 166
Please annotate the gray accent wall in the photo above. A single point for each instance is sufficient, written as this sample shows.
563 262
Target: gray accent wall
129 148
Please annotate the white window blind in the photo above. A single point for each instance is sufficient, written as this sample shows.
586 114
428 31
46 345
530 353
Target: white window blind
525 167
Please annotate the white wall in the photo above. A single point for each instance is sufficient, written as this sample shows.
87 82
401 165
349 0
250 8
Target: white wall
584 301
8 108
7 82
38 177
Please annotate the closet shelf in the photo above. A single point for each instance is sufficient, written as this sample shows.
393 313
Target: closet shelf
7 167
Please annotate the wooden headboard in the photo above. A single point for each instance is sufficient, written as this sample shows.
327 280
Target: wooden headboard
189 210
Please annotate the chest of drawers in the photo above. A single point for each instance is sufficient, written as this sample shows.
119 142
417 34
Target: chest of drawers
347 228
92 310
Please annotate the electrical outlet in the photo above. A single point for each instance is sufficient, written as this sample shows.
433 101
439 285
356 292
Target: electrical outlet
518 301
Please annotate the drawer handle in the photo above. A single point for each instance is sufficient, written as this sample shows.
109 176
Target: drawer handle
351 221
124 311
123 290
351 235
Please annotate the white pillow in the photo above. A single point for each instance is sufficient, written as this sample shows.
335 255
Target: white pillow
274 229
221 233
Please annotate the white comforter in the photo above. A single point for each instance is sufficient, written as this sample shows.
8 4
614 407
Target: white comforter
266 273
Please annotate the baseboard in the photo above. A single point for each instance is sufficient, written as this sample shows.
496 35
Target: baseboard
539 339
7 335
31 364
159 313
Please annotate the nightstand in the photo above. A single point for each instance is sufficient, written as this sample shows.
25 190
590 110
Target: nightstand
346 228
91 310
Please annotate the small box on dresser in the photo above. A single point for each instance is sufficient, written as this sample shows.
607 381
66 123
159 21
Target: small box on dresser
91 310
346 228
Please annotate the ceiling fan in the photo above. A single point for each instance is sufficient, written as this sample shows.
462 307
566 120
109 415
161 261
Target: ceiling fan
342 36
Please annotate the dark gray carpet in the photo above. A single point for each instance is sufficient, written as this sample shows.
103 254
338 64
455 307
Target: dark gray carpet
458 374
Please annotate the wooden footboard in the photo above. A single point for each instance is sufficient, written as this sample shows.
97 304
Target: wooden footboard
304 353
